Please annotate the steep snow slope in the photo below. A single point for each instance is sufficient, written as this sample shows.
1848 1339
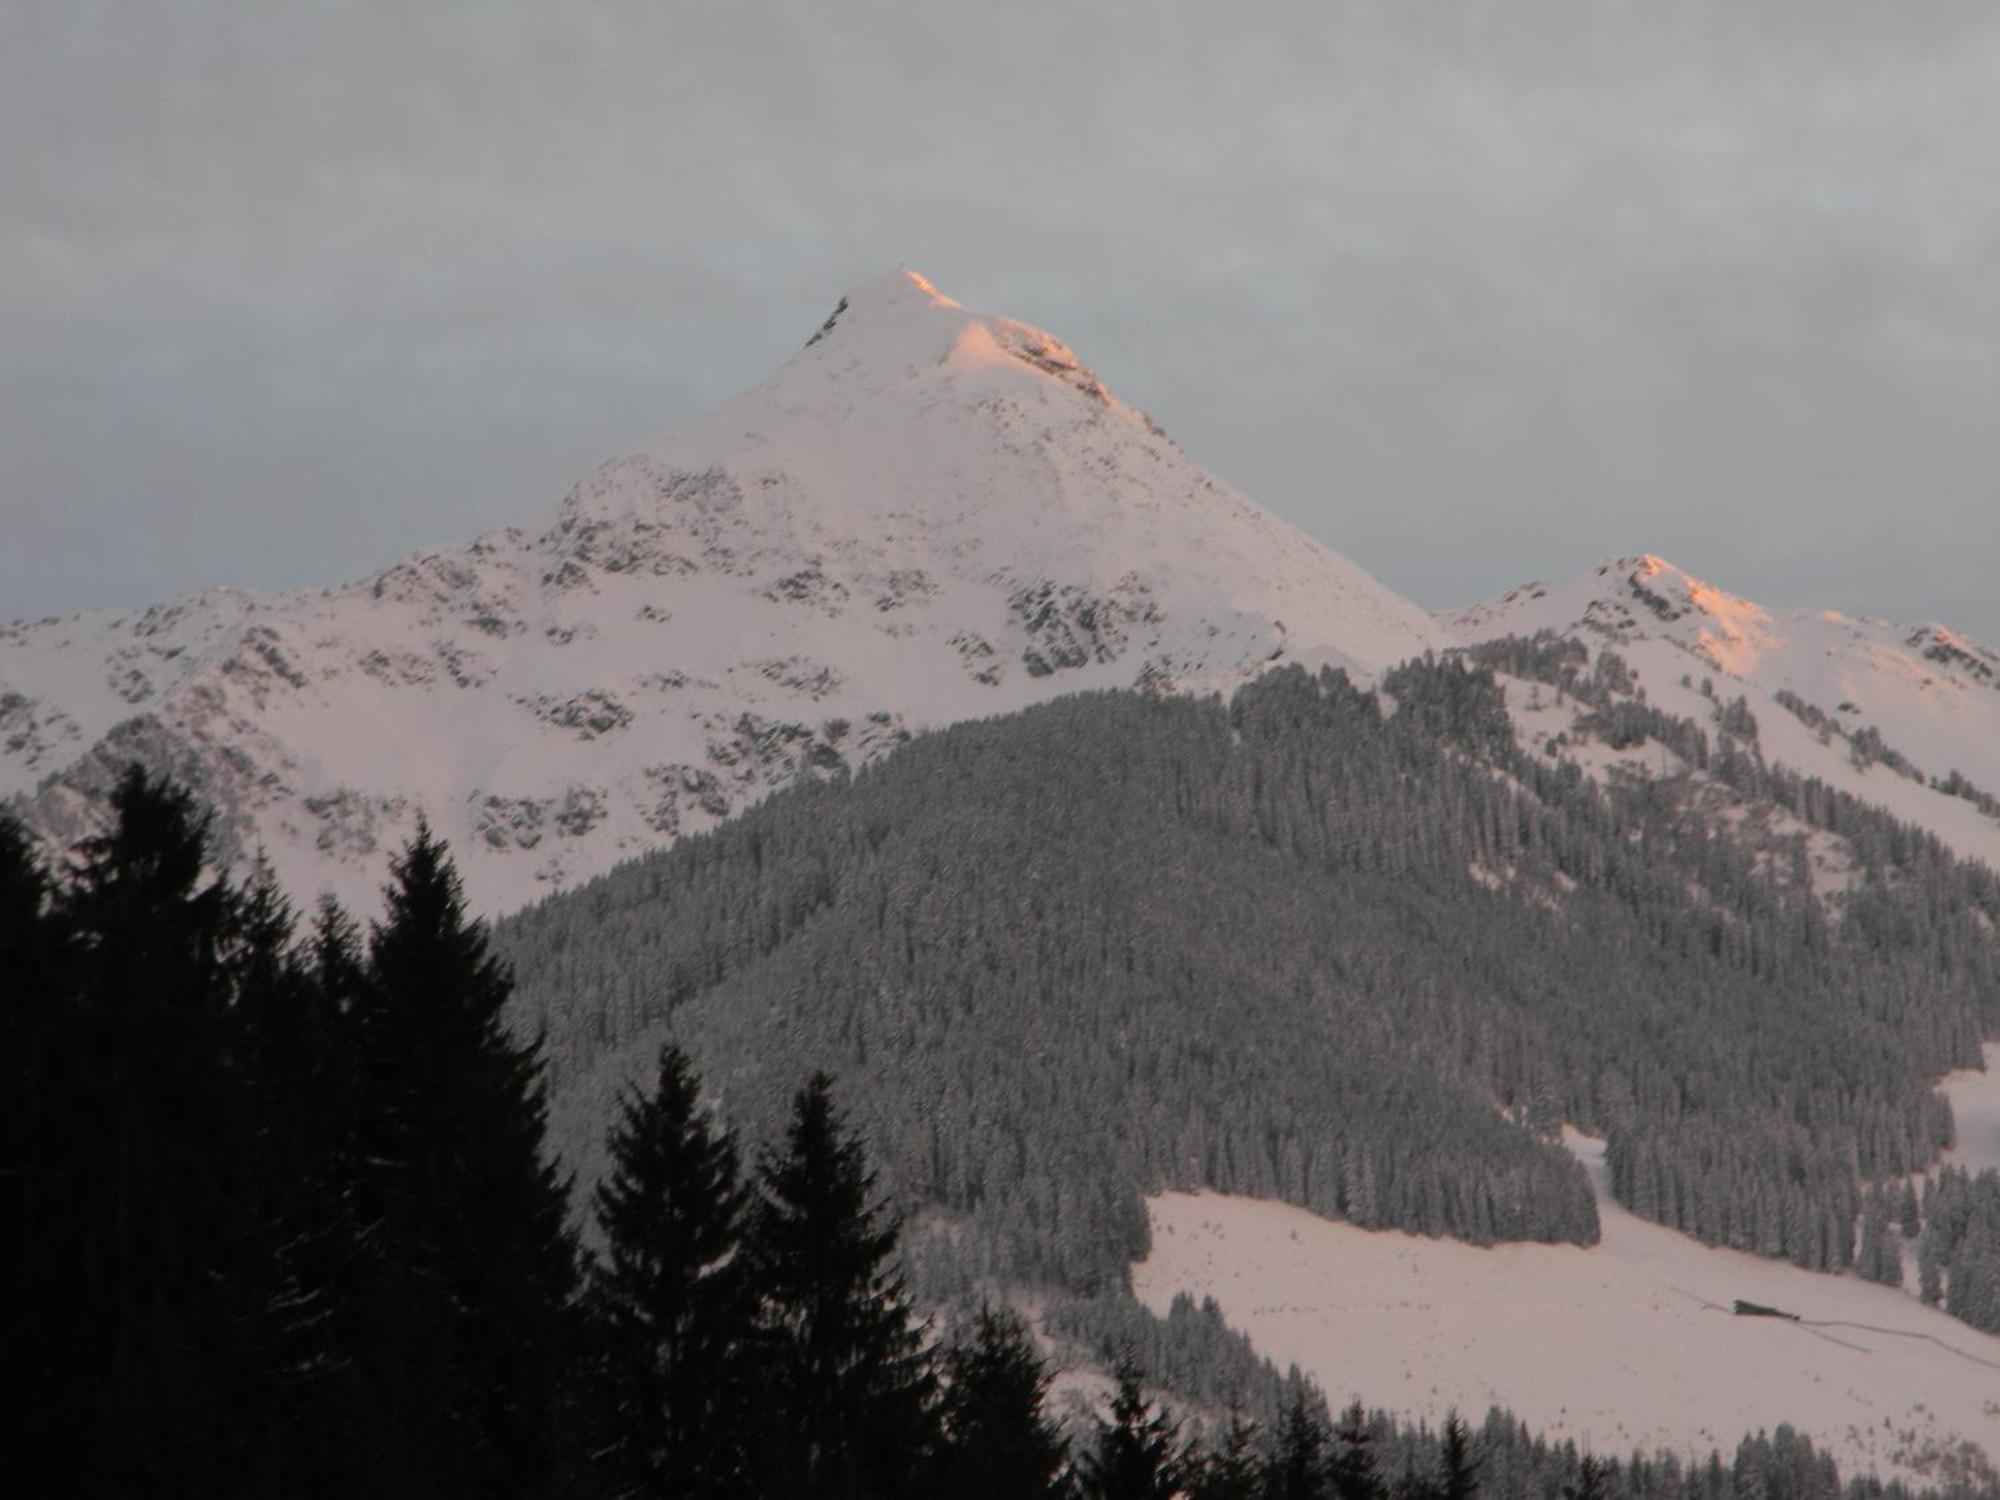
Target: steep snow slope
928 514
1627 1343
1930 696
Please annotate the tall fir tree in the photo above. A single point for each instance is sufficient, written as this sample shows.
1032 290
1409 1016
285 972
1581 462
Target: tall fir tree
1139 1453
999 1444
1909 1216
38 1423
1930 1266
1352 1466
1592 1482
850 1389
1299 1468
300 1103
673 1382
1880 1254
145 1240
1458 1463
1232 1469
469 1311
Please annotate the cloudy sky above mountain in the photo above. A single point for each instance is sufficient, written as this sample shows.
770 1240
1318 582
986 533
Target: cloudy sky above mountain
1476 293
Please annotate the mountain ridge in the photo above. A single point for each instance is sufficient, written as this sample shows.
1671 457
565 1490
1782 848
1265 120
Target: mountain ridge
927 514
1906 717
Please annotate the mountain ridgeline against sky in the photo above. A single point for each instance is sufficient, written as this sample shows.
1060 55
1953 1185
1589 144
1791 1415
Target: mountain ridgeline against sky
927 515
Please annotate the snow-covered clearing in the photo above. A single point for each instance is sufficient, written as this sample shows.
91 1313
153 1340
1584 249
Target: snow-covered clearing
1629 1343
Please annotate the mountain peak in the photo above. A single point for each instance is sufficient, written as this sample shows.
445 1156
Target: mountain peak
1632 596
899 326
901 292
901 287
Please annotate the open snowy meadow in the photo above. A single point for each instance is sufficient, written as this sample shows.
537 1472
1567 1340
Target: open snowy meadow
1629 1343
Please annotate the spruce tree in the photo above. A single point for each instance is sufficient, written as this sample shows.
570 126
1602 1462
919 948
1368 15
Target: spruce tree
144 1239
1139 1453
1592 1482
1298 1467
467 1314
1930 1265
39 1425
1352 1467
1458 1465
1231 1469
999 1444
674 1309
849 1389
1909 1217
300 1117
1881 1253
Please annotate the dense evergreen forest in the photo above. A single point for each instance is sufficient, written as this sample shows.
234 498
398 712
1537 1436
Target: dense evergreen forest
1299 945
280 1219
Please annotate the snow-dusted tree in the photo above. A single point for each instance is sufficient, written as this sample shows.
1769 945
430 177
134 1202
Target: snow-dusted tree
1458 1463
1592 1481
1232 1468
1353 1466
1298 1467
1880 1257
1909 1214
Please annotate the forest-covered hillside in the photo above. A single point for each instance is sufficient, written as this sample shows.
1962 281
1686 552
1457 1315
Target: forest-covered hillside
1354 951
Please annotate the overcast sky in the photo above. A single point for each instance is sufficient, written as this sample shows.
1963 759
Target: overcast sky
1475 292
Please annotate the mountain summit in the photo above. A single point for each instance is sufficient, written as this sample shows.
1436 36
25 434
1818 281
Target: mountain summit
1906 717
928 514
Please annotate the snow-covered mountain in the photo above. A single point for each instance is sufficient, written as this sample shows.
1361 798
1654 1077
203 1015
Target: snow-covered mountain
927 515
1907 717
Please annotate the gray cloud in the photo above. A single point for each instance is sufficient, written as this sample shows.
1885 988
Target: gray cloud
1475 293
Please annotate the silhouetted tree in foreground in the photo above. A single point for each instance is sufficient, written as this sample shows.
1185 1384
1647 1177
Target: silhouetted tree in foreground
849 1386
472 1265
1140 1454
999 1443
673 1383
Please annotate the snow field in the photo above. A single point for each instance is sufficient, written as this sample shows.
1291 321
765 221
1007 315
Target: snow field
1628 1344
